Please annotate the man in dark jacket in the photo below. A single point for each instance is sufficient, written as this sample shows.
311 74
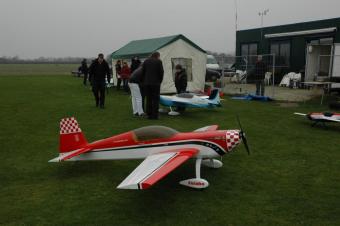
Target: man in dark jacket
181 79
135 63
260 71
118 68
181 82
84 70
152 77
99 71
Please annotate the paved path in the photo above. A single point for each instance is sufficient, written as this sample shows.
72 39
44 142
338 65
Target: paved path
278 93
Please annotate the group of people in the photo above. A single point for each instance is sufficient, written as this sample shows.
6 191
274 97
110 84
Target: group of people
142 80
123 72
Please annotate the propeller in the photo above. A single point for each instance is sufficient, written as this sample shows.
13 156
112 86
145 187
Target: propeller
243 135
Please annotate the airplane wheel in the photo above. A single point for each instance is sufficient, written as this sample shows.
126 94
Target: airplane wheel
174 113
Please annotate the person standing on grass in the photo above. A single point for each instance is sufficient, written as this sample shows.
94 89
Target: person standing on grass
152 77
100 71
260 71
181 82
125 74
135 63
181 79
84 70
136 97
118 67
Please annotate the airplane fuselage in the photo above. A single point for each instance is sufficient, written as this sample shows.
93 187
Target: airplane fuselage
323 117
127 146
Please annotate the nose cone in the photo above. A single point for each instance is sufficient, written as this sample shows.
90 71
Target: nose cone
232 139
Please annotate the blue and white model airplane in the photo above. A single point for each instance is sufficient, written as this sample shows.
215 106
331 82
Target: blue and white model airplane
191 100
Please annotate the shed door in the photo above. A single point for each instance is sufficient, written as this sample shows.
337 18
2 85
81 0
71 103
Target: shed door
336 64
311 63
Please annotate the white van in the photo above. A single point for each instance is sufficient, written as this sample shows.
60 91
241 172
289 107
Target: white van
212 63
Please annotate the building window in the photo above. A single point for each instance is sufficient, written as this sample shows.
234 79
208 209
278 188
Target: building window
186 64
249 50
282 53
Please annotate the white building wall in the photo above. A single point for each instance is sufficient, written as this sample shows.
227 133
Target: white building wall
181 49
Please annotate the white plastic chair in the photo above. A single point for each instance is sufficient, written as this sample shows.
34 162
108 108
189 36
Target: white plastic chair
267 78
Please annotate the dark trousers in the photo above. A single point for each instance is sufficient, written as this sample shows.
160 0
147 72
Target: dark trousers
260 87
85 79
180 90
152 93
98 89
119 81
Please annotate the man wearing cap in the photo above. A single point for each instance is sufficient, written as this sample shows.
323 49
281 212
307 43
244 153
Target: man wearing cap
260 71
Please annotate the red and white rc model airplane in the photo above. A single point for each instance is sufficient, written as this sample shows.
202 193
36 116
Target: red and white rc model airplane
321 117
163 150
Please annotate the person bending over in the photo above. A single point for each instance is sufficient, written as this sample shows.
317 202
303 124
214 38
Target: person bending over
136 97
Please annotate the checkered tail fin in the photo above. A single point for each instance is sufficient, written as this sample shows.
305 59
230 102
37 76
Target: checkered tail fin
71 136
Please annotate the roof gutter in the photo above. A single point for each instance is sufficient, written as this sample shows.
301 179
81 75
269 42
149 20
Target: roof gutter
299 33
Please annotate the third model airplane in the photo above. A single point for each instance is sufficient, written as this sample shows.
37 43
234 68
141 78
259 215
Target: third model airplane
321 117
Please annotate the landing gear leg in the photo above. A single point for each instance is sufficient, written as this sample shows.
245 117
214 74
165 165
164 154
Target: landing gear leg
197 182
212 163
198 168
172 112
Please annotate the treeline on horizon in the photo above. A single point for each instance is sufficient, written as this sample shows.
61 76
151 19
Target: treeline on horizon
226 58
41 60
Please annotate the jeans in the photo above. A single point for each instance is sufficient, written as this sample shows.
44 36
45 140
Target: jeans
260 87
125 84
98 89
119 81
85 79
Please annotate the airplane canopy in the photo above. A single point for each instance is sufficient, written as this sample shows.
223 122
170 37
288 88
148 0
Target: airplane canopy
154 132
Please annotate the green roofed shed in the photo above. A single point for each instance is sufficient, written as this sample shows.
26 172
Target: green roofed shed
145 47
176 49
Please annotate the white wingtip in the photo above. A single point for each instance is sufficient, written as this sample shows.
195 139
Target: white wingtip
301 114
57 159
127 186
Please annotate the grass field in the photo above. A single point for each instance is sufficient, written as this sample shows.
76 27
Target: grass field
292 176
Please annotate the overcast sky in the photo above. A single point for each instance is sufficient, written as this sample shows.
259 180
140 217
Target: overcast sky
58 28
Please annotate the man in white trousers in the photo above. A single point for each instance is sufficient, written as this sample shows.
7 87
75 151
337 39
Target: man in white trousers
136 96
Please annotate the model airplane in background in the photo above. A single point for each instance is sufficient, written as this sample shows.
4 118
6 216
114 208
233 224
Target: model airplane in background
190 100
321 117
163 150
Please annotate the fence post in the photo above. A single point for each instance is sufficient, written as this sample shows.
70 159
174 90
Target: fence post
273 87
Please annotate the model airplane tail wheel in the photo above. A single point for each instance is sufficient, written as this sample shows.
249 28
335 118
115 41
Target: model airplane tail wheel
243 136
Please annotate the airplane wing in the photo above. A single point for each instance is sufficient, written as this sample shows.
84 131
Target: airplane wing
332 120
207 128
155 167
301 114
68 155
